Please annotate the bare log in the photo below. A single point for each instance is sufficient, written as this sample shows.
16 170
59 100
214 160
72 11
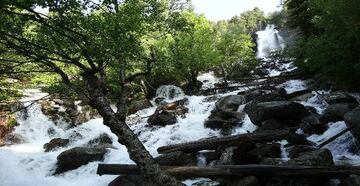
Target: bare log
238 170
335 137
214 142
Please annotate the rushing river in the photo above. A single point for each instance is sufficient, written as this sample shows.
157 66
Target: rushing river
28 164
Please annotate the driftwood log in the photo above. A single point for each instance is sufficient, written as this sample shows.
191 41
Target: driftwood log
214 142
238 170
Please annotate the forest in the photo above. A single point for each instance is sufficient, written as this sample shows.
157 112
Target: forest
93 87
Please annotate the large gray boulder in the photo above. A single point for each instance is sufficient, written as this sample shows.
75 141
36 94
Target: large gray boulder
230 103
312 124
78 156
336 112
339 97
352 118
320 157
162 118
280 110
225 116
139 105
102 141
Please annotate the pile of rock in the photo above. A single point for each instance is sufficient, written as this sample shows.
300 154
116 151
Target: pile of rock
93 150
167 113
67 110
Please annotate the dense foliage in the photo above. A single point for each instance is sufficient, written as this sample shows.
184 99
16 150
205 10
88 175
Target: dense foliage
165 44
329 43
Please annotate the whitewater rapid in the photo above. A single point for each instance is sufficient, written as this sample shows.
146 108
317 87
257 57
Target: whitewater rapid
27 163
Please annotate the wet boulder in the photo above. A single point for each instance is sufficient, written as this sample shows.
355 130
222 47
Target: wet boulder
227 157
296 150
131 180
351 180
297 139
224 121
230 103
312 124
225 116
55 144
177 159
160 101
68 110
162 117
102 141
352 118
246 181
78 156
250 95
138 105
261 150
336 112
270 124
280 110
339 97
319 157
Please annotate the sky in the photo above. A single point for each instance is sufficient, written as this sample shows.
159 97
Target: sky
225 9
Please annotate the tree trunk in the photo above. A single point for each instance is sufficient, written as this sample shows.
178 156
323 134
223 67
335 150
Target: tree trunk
136 150
223 72
214 143
258 170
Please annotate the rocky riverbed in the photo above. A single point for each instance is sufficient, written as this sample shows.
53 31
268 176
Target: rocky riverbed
61 142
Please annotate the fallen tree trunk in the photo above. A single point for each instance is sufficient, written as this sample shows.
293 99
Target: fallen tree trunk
214 143
238 170
335 137
259 83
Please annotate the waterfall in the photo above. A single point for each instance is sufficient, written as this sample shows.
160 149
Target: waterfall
268 40
169 92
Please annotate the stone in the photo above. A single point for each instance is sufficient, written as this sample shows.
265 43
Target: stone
246 181
131 180
270 124
352 118
250 95
312 125
139 105
297 139
102 141
225 116
319 157
351 180
55 144
339 97
294 151
160 100
336 112
227 157
270 150
162 118
230 103
280 110
74 158
177 159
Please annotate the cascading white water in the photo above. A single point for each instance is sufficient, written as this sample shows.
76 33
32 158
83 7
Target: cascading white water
268 40
28 164
169 92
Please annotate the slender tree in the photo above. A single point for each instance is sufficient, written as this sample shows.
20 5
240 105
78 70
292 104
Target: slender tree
80 41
